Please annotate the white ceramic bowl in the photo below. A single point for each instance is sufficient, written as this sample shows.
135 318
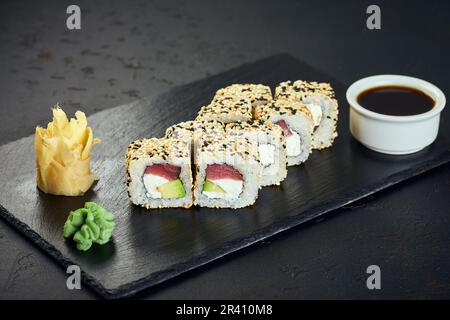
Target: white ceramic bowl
394 134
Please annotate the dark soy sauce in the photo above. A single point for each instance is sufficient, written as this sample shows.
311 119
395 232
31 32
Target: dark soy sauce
395 100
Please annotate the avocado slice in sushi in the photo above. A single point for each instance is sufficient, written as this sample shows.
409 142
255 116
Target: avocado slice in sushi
172 189
210 186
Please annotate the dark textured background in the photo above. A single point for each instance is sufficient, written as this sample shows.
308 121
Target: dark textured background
131 49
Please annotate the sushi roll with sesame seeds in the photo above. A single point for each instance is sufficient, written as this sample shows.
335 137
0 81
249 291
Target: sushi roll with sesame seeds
258 94
320 99
227 172
271 147
159 173
297 124
227 110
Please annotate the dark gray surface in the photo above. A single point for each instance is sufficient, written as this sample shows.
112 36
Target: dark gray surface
182 41
149 249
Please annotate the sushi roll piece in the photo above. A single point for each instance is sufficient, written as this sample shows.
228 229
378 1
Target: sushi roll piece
226 111
320 99
297 124
271 147
159 173
227 172
258 94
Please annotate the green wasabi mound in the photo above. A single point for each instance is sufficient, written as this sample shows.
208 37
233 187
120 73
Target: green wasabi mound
88 225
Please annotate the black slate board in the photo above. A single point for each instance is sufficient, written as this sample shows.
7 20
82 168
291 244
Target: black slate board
151 247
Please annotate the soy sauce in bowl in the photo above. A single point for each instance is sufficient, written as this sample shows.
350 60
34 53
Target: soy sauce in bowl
395 100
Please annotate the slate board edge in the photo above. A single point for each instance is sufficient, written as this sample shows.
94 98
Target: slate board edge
281 225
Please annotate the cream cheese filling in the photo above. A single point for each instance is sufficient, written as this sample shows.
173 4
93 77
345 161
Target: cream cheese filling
316 113
267 158
151 183
293 145
266 154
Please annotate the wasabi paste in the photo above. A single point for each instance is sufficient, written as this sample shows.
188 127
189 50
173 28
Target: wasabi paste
88 225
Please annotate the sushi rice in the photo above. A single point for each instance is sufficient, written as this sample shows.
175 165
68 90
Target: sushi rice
144 153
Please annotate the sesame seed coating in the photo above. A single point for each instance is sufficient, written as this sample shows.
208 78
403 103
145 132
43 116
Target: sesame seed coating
221 146
258 94
187 129
282 107
227 110
299 89
154 148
